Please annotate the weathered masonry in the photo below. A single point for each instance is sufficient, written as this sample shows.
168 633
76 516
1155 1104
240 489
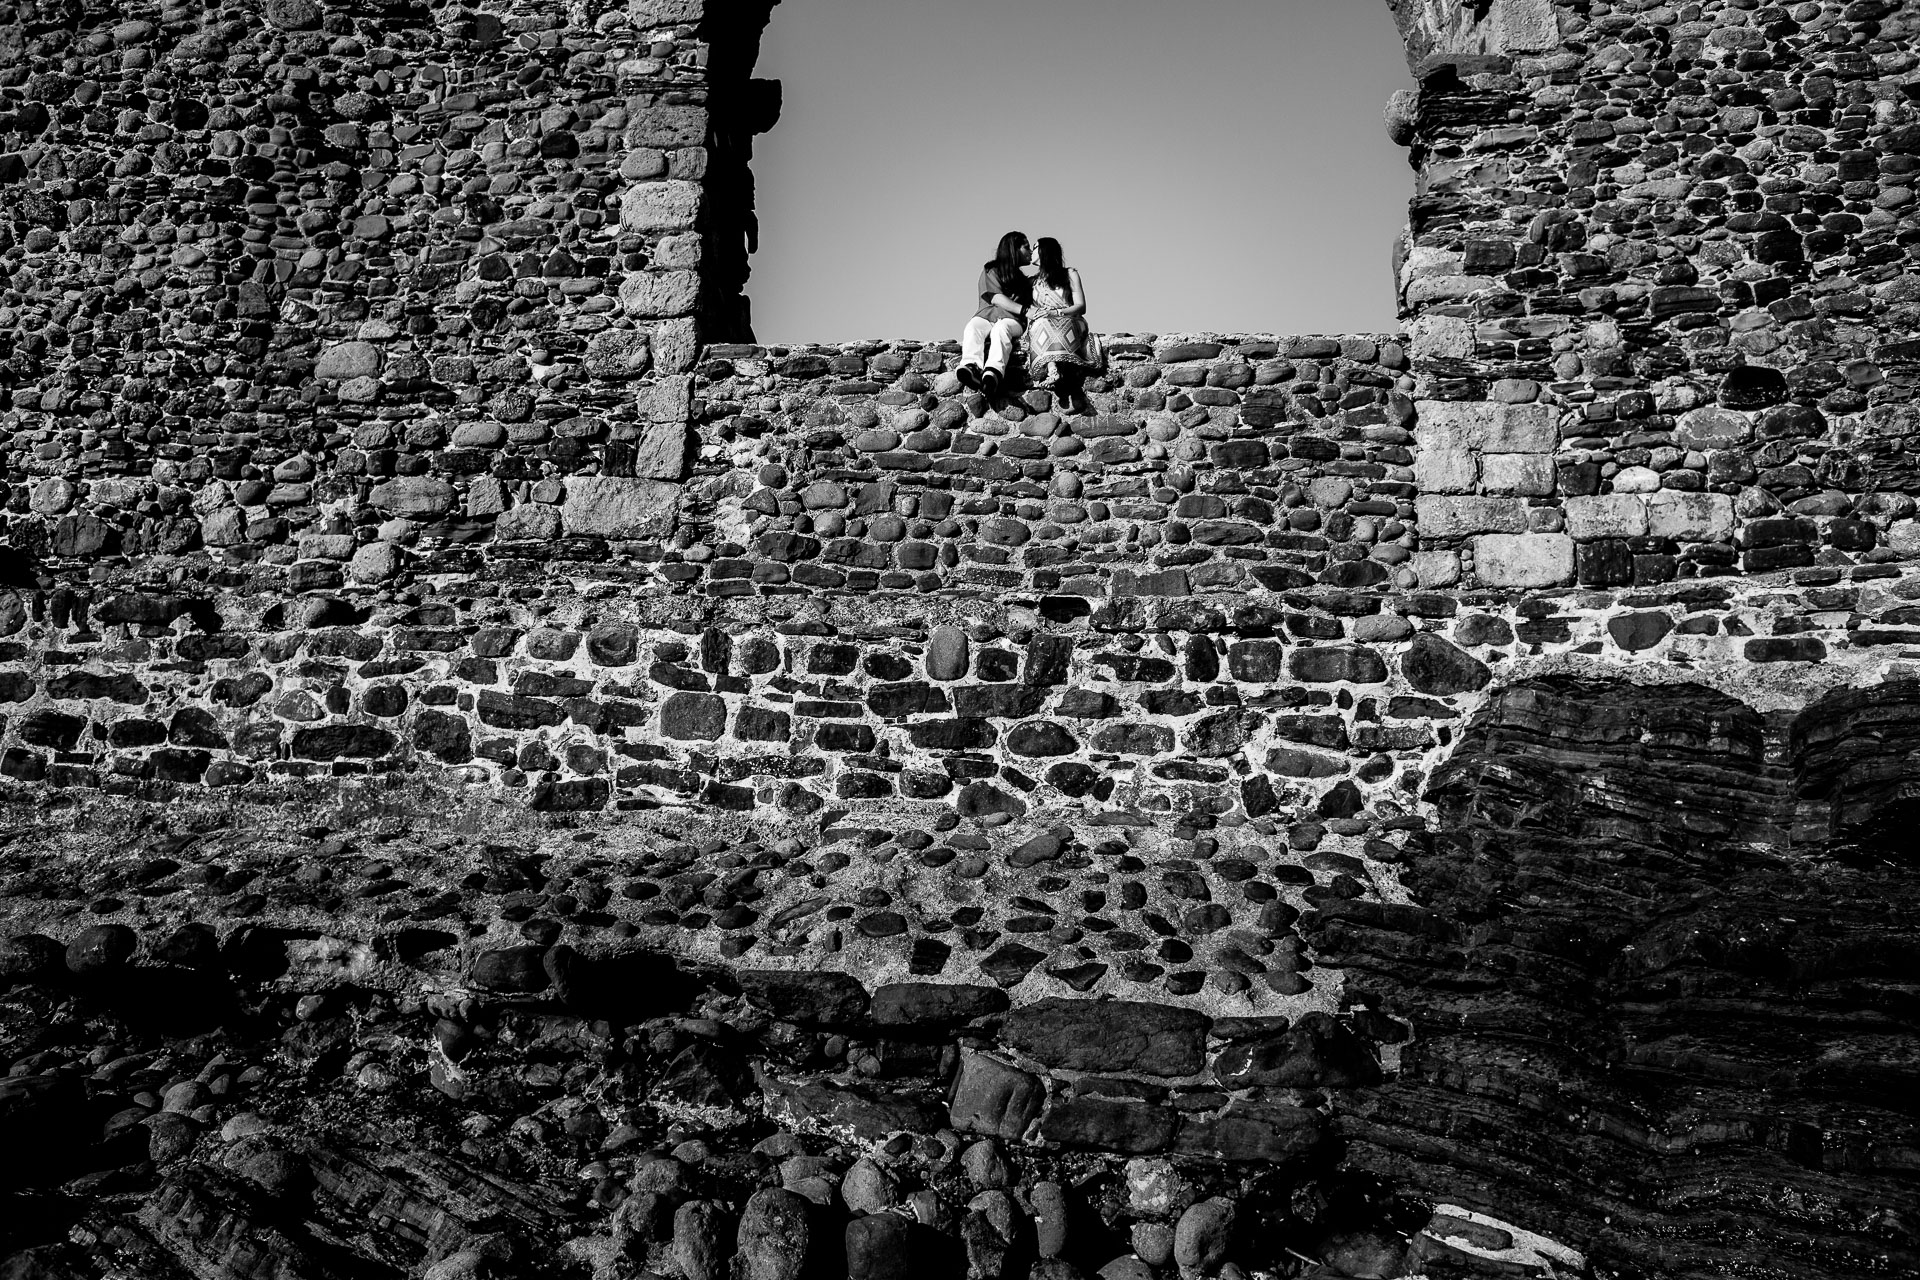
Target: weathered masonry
1443 792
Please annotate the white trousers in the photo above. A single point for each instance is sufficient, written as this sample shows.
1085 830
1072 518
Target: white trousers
989 343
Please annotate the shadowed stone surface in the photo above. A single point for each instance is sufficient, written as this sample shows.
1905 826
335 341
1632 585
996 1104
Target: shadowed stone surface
1704 906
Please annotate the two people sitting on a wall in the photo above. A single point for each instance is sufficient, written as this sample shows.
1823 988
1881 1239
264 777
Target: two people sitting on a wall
1035 295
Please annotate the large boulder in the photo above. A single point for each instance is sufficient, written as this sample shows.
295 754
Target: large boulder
101 949
774 1236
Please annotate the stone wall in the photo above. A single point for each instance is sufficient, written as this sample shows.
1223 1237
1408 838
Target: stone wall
289 273
1296 702
1433 791
301 285
1683 237
871 586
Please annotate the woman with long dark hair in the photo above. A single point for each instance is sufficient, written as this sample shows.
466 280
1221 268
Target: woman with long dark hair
986 345
1061 350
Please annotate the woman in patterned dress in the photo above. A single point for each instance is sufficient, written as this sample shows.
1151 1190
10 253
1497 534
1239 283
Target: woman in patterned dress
1061 351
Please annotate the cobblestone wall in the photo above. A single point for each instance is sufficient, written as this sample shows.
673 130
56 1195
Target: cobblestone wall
1683 236
1198 466
271 274
1295 706
358 297
1405 785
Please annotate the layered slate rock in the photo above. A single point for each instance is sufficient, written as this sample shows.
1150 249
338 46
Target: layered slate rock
1638 967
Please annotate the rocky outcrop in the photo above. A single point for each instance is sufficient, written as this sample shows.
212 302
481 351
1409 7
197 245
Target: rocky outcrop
1657 973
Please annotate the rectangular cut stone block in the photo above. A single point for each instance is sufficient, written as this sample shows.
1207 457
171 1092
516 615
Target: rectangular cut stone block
485 497
1446 463
1450 517
327 546
1465 447
1712 428
660 450
676 344
618 507
666 127
1607 515
1427 260
1471 419
683 249
1124 1035
1164 582
647 295
1431 289
1525 26
1522 428
1523 560
1690 517
1527 474
664 13
660 206
1122 1125
1436 568
1440 338
1672 190
668 400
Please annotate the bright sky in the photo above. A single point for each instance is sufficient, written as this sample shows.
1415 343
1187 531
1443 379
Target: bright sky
1210 165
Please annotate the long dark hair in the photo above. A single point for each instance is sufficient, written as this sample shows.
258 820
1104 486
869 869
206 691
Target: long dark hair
1006 266
1053 267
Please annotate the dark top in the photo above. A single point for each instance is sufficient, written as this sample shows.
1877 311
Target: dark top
990 284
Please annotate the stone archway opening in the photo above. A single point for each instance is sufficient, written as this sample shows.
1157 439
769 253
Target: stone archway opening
1215 168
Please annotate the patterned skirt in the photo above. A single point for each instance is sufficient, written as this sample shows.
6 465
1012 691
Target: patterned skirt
1058 343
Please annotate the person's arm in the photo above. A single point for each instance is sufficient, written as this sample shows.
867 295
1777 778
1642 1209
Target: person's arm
1079 307
992 294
